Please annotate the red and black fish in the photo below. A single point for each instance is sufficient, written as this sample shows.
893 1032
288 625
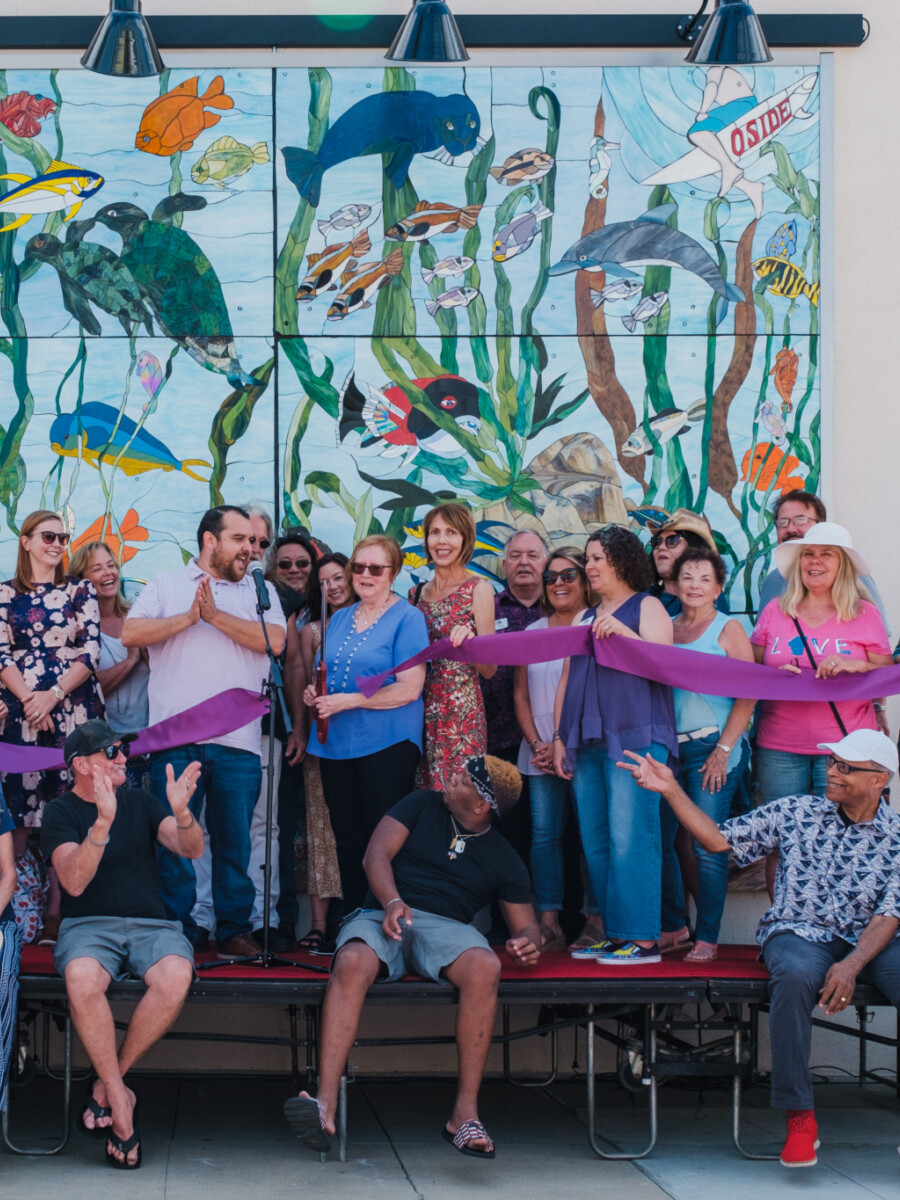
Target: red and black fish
22 113
387 422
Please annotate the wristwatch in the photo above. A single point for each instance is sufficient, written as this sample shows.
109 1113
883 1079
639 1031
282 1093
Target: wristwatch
724 748
58 692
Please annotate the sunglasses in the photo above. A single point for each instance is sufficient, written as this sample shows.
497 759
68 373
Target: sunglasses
844 768
113 752
569 575
669 540
287 564
374 569
263 543
48 538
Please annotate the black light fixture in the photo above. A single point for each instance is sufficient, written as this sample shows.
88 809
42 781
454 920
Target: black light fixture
123 45
732 34
428 34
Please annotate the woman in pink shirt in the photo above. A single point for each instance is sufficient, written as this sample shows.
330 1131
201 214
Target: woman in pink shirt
823 622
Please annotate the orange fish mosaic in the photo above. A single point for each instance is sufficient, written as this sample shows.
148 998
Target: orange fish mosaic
174 121
768 463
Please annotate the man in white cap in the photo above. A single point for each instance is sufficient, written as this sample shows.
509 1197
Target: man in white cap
836 909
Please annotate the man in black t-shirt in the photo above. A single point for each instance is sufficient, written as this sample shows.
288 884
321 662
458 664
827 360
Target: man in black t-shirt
101 839
433 861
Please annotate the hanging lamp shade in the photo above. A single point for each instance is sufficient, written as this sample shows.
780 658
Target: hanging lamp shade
123 45
732 34
428 34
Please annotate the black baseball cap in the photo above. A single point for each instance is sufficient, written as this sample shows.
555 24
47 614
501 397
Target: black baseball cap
91 737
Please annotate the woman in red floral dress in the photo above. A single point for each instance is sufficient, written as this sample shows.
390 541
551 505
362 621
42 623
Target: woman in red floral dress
459 606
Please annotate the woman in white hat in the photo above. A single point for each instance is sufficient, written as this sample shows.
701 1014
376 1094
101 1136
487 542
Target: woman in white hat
823 622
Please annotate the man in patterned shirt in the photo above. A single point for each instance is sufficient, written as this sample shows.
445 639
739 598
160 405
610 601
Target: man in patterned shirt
836 909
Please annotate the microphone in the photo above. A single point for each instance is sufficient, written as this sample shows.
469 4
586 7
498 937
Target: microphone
262 590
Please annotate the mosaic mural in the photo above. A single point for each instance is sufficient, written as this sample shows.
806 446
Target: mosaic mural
565 296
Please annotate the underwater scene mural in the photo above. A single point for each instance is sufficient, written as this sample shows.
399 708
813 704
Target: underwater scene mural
565 296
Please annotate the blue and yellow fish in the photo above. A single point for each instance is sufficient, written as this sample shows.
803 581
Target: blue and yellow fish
103 441
61 187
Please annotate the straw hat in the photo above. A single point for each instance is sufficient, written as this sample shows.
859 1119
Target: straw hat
823 533
683 520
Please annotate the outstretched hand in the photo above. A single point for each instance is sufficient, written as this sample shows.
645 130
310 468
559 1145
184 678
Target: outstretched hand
647 773
180 790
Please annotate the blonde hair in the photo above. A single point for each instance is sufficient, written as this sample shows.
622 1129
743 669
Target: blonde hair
23 580
505 780
80 564
389 545
457 517
847 593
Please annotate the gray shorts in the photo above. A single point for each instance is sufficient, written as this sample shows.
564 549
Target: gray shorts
431 944
125 947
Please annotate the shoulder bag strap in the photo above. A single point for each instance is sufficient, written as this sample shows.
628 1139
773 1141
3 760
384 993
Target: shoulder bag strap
809 654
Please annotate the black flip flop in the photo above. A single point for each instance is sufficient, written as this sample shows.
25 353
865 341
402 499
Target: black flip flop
313 941
97 1111
305 1118
125 1145
470 1130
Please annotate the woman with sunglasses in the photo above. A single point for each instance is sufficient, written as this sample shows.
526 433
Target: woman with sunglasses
564 595
599 714
368 761
49 651
712 753
683 530
123 673
458 606
323 874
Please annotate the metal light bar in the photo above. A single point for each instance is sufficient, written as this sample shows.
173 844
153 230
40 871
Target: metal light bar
544 31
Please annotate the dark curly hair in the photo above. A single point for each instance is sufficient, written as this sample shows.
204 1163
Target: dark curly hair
626 555
696 555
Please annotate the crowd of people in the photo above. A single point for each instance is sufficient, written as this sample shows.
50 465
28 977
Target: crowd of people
633 793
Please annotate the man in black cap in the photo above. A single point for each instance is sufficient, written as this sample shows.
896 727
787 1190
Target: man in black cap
433 862
101 839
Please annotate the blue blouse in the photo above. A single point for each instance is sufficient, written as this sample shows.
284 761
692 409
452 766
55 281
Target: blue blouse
397 635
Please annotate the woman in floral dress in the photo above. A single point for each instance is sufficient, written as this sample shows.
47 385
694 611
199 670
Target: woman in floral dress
49 650
459 606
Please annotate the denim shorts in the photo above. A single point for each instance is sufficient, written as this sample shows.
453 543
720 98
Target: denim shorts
125 947
429 944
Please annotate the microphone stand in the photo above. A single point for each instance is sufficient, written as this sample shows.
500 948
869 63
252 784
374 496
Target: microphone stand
273 687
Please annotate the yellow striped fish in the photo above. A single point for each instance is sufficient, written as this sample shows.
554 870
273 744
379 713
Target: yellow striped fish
784 279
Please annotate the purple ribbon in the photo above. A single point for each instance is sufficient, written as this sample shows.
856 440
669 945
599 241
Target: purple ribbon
673 665
209 719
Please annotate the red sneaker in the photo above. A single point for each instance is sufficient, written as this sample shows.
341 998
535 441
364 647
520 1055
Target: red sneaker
799 1149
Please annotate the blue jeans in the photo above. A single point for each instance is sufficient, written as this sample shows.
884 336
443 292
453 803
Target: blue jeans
712 869
797 970
550 801
781 773
229 783
619 824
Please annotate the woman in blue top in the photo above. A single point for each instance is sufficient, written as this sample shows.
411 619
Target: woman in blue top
599 714
369 760
712 754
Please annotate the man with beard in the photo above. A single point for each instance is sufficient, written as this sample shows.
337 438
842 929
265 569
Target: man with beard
515 608
204 636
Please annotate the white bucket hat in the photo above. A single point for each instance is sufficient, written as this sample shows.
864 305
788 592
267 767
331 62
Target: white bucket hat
823 533
865 745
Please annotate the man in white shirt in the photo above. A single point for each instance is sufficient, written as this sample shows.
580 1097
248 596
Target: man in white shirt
204 636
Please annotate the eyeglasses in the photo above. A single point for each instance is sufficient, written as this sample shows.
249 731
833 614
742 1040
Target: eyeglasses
287 564
48 537
113 752
263 543
568 575
375 569
784 522
844 768
669 540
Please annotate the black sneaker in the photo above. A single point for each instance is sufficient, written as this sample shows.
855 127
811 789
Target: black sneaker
200 940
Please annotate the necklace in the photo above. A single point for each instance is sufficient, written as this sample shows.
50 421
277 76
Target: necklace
336 681
458 841
362 628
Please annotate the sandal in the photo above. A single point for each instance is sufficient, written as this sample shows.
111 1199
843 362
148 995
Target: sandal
124 1145
306 1118
469 1131
703 952
676 939
312 941
591 935
97 1111
552 942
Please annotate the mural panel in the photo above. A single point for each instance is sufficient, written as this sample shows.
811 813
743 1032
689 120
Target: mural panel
567 296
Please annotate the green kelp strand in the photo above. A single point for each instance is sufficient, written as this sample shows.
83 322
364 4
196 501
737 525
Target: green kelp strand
230 424
547 196
290 259
293 466
476 193
395 311
317 386
444 317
